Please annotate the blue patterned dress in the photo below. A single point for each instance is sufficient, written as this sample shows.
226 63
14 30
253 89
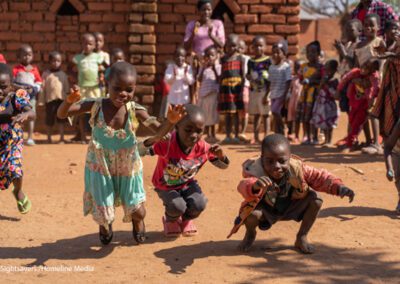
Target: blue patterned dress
113 170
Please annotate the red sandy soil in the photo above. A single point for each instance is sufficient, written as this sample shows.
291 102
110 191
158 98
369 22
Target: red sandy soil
357 243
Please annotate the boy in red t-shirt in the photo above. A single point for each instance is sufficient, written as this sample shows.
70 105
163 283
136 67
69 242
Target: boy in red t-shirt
179 160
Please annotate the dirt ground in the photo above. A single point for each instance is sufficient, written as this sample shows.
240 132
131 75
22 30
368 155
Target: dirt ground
357 243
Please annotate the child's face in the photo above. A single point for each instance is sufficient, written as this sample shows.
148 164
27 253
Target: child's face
122 89
277 54
242 47
367 68
205 12
190 130
89 44
330 72
393 32
259 47
5 85
275 161
211 56
232 46
118 56
55 62
312 54
371 27
26 56
180 56
352 31
99 42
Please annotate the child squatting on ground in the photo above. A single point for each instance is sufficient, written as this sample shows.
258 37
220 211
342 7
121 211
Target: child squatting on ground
179 160
113 170
14 110
280 187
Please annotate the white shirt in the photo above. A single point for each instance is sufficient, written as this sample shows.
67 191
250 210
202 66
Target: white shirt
179 82
278 77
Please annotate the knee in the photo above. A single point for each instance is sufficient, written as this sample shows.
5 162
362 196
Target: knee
317 204
253 219
196 205
139 214
176 207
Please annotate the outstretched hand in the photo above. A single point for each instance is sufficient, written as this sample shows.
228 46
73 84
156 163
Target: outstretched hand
261 183
176 113
74 95
20 118
216 149
345 191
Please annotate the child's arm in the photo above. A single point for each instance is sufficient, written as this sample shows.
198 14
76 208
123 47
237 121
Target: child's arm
69 106
189 77
252 188
201 74
23 106
216 72
170 74
389 145
322 180
218 158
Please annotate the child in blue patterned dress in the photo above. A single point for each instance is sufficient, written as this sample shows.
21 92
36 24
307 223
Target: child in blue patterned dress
113 170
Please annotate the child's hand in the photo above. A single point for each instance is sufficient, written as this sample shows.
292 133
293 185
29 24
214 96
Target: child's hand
390 175
261 183
176 113
20 118
345 191
217 151
74 96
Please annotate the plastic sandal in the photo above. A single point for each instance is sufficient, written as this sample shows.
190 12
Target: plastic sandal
171 229
25 205
189 228
106 239
139 236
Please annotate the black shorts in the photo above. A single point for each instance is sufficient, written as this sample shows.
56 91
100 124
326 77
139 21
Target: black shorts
51 113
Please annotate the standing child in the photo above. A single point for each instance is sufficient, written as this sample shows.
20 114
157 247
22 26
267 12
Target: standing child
310 75
28 77
161 89
257 73
117 55
280 76
246 92
14 110
295 91
230 100
55 89
88 63
179 160
113 170
362 87
106 61
179 75
325 112
208 93
280 187
392 157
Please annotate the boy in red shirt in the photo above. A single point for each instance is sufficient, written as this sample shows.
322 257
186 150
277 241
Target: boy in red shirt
179 160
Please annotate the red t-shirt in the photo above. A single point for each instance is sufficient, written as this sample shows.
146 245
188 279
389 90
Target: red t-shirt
2 59
362 14
21 75
175 169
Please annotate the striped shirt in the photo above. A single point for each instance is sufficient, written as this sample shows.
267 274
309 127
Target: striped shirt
279 75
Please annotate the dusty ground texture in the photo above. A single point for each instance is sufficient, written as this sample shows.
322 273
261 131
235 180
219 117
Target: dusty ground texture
356 243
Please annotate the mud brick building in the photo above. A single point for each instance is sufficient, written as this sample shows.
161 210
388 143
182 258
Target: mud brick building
148 30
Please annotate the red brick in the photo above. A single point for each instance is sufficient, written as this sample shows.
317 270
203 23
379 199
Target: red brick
21 26
135 38
114 18
123 28
142 48
104 27
151 18
122 7
293 19
90 18
149 59
32 16
138 18
146 69
148 99
150 39
136 59
145 79
141 29
20 6
166 49
144 7
263 9
171 18
273 19
9 36
100 6
245 19
44 27
144 90
289 10
287 29
44 46
164 8
272 39
185 9
260 29
248 1
4 17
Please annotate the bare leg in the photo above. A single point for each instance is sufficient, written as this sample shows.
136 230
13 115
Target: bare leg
61 130
375 130
367 133
251 225
82 128
278 123
297 129
267 124
236 122
308 221
245 123
307 132
49 133
138 227
18 193
256 127
31 127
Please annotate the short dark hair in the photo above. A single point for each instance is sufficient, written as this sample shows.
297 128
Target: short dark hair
258 37
282 45
390 24
315 43
334 64
192 111
117 50
201 3
272 141
22 48
374 16
209 48
122 68
356 22
5 69
53 54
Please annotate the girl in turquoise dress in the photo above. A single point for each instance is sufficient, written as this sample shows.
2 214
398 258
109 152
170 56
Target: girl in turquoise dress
113 169
14 110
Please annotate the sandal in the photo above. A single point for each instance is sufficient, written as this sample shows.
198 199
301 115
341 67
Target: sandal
372 150
25 205
105 239
189 228
139 236
171 229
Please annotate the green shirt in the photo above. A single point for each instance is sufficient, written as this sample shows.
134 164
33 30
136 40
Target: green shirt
88 69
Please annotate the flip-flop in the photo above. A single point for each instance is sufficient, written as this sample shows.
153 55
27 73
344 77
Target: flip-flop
25 205
106 239
189 228
171 229
139 236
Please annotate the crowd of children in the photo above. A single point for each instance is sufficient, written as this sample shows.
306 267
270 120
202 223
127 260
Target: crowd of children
197 90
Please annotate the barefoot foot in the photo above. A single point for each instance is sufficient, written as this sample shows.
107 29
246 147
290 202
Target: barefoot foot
247 242
303 245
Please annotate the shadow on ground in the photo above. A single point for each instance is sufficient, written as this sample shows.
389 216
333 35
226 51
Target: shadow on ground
350 213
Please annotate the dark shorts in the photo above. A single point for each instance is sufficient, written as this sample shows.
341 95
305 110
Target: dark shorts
295 211
51 113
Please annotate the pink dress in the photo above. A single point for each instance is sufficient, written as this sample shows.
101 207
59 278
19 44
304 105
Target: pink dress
295 90
201 40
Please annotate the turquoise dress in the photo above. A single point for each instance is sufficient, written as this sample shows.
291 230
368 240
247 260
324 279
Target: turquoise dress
113 170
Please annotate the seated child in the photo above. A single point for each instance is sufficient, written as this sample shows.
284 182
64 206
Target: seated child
179 160
14 110
280 187
392 157
362 87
